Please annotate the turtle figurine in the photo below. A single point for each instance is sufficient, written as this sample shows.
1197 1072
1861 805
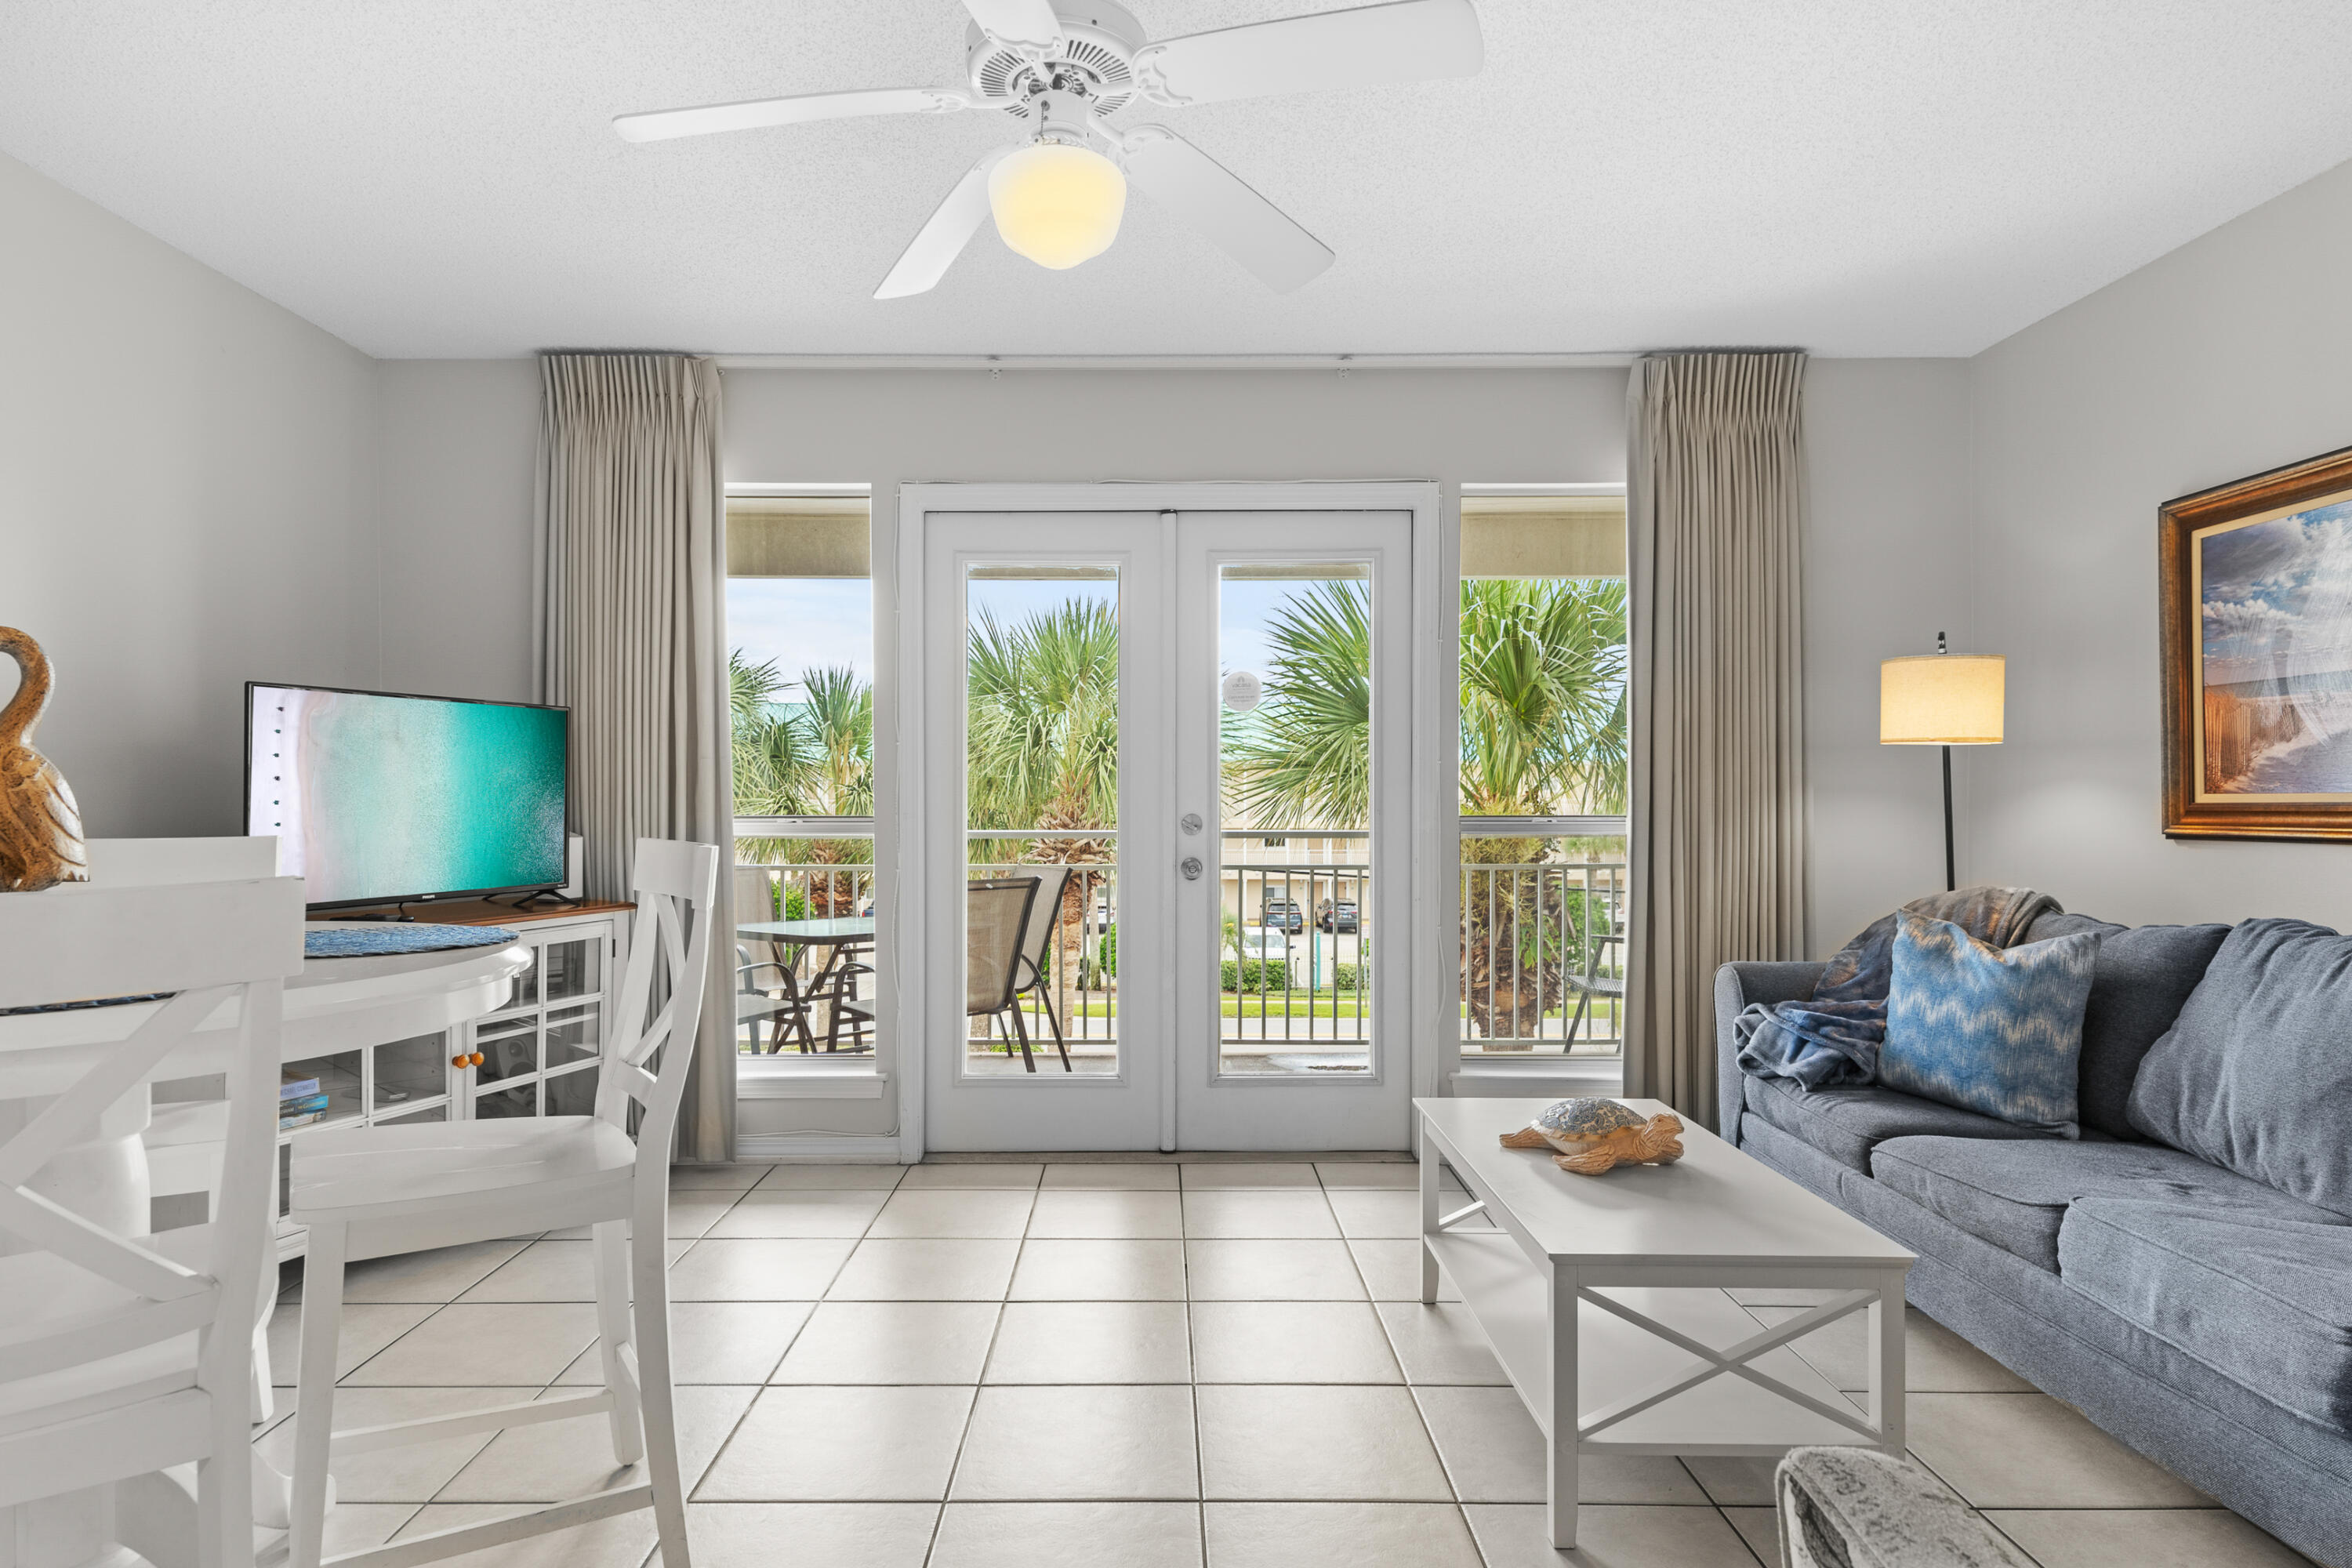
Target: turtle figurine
1591 1136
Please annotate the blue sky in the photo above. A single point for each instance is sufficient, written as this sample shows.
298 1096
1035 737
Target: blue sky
805 622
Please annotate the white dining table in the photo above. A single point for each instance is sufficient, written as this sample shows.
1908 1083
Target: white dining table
333 1004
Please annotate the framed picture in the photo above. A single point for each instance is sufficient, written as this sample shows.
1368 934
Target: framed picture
2255 585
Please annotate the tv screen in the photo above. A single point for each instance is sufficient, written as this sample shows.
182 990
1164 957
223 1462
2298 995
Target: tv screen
376 797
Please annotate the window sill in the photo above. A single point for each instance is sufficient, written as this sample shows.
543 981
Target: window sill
806 1079
1602 1076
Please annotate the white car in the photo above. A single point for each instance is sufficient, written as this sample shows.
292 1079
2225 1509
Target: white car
1261 945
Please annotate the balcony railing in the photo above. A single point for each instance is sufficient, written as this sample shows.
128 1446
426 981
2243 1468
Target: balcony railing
1541 944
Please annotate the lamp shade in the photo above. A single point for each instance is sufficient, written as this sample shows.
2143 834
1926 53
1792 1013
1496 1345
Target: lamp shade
1056 203
1940 699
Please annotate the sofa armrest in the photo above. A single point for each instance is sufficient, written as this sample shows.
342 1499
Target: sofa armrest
1736 985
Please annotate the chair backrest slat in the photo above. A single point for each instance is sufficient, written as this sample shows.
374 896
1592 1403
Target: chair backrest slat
675 884
226 948
72 1116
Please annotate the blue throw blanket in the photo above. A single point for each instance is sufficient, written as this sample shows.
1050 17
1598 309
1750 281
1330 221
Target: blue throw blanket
1833 1035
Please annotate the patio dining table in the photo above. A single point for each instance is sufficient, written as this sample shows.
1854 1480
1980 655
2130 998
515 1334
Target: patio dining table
841 937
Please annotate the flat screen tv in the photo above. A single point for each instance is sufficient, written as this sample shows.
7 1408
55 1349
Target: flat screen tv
376 797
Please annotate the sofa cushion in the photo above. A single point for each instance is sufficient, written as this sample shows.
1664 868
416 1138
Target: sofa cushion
2015 1192
2256 1074
2262 1299
1847 1121
1994 1030
2142 976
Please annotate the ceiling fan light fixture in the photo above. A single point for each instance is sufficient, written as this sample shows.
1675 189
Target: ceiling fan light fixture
1056 203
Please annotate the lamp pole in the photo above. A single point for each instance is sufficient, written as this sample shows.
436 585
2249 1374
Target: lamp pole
1951 871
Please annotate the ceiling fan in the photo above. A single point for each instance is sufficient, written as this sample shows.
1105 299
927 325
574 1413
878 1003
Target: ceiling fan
1061 66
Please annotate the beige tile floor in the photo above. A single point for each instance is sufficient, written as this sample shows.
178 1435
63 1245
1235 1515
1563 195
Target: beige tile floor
1224 1365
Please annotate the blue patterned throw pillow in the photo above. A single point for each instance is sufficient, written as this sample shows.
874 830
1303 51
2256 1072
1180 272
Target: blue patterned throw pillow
1994 1030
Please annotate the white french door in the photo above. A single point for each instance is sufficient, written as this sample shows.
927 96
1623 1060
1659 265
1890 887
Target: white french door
1198 726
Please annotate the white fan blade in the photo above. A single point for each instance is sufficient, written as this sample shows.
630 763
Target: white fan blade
941 239
661 124
1212 199
1030 22
1410 41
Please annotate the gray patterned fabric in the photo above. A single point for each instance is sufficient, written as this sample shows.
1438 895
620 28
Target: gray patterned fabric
2143 975
2262 1299
2256 1075
1993 1030
1833 1035
1857 1507
2014 1195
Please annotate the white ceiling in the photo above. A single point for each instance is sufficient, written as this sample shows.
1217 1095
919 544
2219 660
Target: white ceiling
1866 177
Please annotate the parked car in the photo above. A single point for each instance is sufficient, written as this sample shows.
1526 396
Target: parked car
1337 917
1281 914
1257 945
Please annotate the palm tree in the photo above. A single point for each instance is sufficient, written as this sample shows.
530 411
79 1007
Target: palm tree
1543 734
1041 748
811 758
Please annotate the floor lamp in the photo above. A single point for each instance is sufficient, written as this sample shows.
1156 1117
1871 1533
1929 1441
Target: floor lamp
1941 698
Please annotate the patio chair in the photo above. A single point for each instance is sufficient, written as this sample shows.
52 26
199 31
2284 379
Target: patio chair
1031 981
1592 984
996 920
757 998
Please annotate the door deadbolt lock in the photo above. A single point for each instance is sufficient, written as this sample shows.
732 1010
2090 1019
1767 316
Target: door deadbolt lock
1191 823
1191 866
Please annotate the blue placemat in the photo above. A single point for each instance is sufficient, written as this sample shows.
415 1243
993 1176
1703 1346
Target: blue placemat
375 941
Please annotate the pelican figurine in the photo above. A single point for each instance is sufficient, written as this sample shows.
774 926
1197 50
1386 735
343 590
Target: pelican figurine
41 828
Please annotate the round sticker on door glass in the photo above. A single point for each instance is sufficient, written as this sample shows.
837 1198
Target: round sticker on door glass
1243 689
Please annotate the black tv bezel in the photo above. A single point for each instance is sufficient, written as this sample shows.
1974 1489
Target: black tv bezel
445 894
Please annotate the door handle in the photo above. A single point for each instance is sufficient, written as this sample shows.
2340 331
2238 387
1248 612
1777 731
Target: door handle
1191 866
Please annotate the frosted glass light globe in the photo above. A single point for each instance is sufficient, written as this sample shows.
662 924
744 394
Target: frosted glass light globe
1055 204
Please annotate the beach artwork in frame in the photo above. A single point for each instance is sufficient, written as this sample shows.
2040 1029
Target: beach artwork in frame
2256 580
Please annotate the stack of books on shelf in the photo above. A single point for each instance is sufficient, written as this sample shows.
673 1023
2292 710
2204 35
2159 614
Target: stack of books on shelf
299 1103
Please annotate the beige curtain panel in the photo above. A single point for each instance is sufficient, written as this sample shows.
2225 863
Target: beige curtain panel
1715 512
632 639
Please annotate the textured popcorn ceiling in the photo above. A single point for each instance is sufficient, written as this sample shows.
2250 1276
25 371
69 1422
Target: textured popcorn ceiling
432 177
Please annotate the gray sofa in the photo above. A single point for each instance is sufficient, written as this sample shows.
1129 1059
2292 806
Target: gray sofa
2201 1314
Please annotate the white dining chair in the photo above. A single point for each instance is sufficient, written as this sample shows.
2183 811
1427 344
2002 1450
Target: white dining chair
375 1192
124 1355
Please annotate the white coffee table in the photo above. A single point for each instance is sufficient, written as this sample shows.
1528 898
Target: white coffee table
1655 1358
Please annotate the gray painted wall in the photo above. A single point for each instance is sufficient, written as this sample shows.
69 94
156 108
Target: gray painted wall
187 489
2222 359
1887 567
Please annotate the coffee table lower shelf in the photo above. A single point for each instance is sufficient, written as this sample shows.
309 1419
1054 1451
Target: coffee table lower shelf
1616 1360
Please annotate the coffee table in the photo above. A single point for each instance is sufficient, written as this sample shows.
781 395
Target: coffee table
1605 1296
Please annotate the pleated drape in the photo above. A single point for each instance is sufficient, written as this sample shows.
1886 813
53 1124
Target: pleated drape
632 639
1714 511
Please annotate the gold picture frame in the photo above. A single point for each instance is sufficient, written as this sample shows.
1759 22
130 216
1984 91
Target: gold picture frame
2254 585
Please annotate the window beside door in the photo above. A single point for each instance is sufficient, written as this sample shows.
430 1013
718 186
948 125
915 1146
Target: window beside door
800 634
1545 743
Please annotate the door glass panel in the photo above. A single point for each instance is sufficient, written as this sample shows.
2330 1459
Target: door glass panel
1042 805
1294 746
416 1068
509 1050
573 1037
412 1117
572 968
520 1100
524 990
319 1091
571 1093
